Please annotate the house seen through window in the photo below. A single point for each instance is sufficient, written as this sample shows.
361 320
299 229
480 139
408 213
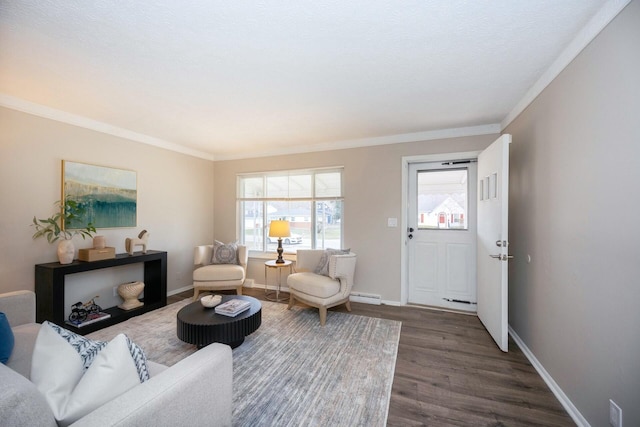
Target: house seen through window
442 199
311 200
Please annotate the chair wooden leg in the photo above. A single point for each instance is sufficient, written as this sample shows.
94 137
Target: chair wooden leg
323 315
348 304
196 292
239 290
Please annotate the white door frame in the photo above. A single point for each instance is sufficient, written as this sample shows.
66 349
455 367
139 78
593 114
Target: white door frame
404 281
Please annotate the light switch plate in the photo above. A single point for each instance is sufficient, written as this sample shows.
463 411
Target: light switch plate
392 222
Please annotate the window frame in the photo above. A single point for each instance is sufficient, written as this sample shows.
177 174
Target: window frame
313 199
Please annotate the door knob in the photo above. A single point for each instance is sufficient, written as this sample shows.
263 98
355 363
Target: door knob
502 243
410 230
410 236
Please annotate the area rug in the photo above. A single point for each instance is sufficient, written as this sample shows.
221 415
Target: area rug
292 371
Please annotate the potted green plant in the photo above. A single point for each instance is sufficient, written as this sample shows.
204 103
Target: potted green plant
64 224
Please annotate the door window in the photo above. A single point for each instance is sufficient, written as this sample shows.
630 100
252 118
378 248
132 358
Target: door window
442 199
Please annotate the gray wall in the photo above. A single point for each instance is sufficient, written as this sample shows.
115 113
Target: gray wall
373 193
175 196
574 202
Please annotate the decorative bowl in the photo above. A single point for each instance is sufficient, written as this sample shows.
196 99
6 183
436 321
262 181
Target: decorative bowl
210 301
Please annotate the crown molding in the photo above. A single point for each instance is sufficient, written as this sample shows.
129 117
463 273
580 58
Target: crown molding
596 24
369 142
84 122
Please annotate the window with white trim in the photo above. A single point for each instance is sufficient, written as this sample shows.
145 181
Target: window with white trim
311 200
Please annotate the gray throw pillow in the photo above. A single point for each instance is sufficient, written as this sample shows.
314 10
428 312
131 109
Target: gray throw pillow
224 254
323 265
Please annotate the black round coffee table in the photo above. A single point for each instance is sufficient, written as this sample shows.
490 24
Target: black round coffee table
201 326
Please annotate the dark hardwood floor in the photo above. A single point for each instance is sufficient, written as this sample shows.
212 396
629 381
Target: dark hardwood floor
449 372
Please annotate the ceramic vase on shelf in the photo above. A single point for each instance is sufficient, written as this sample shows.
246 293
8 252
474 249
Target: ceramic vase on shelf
130 292
99 242
66 251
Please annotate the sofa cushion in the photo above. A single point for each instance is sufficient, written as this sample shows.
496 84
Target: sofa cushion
87 349
6 339
313 284
323 265
21 404
25 339
70 389
224 254
220 272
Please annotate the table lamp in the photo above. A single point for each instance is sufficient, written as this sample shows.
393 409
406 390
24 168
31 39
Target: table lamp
279 228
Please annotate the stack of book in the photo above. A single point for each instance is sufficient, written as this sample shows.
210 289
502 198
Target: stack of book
91 318
232 307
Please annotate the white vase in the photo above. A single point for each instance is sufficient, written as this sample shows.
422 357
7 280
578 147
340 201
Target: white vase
66 251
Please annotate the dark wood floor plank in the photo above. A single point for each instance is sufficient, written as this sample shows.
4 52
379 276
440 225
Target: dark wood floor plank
449 372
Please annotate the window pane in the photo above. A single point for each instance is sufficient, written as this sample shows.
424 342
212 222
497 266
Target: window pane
289 186
252 224
442 199
299 216
300 186
328 224
293 196
251 187
328 184
277 187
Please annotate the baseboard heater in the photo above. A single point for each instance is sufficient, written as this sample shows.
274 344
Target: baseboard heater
365 298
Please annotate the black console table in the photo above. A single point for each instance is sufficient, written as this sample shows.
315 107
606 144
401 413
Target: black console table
50 303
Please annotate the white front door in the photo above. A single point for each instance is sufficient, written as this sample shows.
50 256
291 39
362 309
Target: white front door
493 239
441 234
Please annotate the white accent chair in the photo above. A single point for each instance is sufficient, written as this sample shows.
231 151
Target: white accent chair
321 291
212 277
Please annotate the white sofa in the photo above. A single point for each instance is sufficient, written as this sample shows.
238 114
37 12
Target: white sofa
197 391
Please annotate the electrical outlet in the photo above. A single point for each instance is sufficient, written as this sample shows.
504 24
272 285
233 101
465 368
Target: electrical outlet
615 414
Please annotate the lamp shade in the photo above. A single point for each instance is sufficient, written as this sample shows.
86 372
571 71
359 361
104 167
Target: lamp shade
279 228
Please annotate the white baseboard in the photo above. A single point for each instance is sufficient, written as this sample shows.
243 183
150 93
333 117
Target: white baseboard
177 291
393 303
555 388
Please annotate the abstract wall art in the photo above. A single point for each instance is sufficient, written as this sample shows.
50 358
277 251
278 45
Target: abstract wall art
108 195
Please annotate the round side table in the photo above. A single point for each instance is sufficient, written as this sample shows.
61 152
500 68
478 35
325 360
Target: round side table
272 264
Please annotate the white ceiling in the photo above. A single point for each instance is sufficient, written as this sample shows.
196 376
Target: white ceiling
228 79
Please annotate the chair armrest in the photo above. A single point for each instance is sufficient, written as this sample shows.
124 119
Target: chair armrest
202 255
243 256
343 267
195 391
19 306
